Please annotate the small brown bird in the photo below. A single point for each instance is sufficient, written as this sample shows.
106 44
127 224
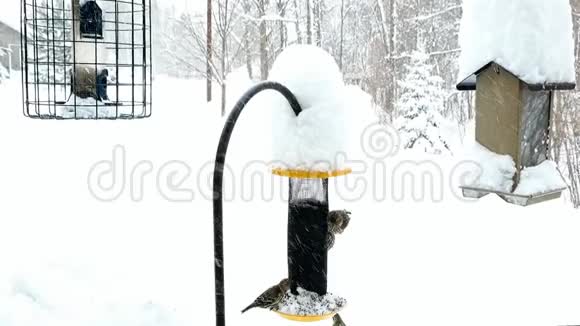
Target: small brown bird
337 222
89 82
337 321
271 297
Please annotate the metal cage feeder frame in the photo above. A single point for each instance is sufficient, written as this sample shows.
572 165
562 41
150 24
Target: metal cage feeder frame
86 59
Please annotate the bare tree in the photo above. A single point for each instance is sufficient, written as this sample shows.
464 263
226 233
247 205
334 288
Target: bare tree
308 22
190 41
341 55
317 14
281 6
248 38
261 6
209 50
297 16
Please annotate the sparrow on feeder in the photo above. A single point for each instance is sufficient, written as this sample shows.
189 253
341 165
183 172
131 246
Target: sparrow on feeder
337 321
271 297
337 222
89 83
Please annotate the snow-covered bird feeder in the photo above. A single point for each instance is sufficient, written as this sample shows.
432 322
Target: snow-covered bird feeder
309 137
515 56
86 59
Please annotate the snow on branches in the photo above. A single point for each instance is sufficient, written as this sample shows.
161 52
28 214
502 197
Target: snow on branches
3 71
419 120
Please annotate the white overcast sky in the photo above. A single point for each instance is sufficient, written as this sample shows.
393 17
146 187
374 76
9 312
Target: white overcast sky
185 5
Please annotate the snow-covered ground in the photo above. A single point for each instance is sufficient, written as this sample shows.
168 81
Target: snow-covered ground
68 259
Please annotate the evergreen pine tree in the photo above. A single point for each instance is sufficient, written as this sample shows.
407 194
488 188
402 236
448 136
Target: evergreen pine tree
419 120
52 35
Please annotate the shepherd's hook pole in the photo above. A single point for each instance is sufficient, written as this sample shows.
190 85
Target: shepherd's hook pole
218 175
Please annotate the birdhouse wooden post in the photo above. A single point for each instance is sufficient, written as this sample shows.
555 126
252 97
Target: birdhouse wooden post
512 118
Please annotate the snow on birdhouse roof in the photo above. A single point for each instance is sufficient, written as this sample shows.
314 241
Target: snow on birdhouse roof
470 83
533 39
10 14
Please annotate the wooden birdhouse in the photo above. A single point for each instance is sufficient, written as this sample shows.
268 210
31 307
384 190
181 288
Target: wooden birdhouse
512 118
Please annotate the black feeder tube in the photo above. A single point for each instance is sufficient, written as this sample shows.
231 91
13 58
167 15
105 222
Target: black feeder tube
307 232
218 185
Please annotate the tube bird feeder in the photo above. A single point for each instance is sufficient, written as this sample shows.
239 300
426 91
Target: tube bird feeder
308 208
308 169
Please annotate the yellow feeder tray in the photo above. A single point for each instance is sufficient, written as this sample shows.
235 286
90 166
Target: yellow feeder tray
305 174
306 319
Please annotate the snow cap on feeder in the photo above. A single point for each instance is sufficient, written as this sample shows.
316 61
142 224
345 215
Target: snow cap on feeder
312 144
515 55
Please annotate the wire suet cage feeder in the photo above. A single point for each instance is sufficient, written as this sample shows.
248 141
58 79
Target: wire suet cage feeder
86 59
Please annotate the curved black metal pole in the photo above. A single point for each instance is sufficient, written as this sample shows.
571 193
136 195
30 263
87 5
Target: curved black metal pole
218 176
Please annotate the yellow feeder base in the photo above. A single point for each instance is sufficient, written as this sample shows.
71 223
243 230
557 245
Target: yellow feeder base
305 174
306 319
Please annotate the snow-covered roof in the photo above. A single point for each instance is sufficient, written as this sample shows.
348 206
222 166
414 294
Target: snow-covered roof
533 39
470 83
10 13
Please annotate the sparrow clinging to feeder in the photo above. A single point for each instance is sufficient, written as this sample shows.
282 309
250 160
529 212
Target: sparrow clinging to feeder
271 297
337 321
337 222
102 80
